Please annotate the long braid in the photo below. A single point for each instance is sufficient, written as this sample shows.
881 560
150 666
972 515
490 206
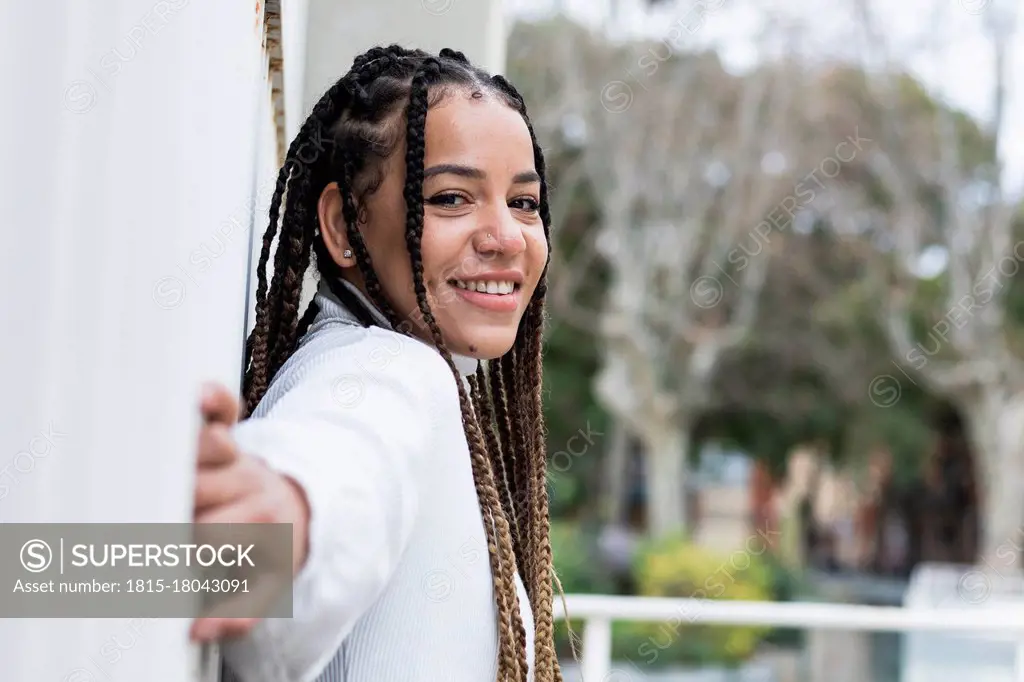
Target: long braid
257 347
542 573
274 340
265 335
301 240
292 260
516 446
366 68
512 657
485 404
312 310
297 234
542 564
495 402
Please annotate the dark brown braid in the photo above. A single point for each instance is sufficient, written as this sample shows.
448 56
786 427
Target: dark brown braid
531 330
517 451
485 399
351 131
512 656
488 392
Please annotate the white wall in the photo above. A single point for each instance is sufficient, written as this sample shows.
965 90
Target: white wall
128 137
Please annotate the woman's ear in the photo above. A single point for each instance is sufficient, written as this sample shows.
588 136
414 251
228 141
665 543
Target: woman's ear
332 226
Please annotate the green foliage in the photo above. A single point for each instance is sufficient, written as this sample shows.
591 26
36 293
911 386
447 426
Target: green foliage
570 407
784 584
904 428
574 553
675 567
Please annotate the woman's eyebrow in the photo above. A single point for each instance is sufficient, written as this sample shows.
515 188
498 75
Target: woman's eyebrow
454 169
476 174
525 177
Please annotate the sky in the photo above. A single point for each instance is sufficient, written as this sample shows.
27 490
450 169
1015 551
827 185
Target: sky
941 41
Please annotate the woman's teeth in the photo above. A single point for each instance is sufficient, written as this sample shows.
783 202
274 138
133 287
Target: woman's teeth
488 287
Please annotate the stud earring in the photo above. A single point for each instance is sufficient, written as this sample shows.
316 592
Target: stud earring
347 253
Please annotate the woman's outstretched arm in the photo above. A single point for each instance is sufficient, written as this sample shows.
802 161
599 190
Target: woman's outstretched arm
351 432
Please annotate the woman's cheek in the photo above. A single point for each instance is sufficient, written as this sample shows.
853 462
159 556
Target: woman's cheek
539 254
444 296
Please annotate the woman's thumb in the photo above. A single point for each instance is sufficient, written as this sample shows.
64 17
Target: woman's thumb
218 405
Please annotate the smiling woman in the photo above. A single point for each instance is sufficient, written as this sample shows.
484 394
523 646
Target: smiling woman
427 214
481 225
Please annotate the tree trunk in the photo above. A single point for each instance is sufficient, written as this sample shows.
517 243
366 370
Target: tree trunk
665 471
616 469
996 426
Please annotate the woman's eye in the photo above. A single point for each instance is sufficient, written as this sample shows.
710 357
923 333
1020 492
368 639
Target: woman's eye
525 204
449 199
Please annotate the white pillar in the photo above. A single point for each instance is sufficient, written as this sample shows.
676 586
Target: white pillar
338 31
597 650
129 132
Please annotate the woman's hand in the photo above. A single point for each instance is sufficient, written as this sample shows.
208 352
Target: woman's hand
232 487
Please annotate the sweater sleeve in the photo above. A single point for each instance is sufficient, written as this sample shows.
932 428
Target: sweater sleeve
351 432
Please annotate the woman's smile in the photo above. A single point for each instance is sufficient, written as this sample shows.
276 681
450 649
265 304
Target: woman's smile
497 292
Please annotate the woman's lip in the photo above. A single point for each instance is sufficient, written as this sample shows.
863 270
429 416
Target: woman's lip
498 303
493 276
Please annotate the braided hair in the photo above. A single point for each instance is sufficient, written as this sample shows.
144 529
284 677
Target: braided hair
351 131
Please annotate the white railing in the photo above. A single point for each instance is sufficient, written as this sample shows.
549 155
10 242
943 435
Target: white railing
598 611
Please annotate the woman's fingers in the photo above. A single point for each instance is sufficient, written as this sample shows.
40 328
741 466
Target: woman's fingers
250 508
222 485
216 447
229 488
219 405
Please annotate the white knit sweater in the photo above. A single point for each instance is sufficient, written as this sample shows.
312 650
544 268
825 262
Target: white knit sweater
397 586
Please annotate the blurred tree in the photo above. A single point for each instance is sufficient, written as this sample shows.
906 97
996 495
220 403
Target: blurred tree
800 376
674 184
935 191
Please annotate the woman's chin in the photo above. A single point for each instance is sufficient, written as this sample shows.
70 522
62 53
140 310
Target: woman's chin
484 344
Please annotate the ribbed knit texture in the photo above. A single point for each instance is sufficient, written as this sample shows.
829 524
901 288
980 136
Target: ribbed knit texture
397 586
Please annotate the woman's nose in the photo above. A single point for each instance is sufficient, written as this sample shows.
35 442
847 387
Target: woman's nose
502 235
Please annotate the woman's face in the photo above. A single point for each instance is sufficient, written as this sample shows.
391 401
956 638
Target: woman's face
483 243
